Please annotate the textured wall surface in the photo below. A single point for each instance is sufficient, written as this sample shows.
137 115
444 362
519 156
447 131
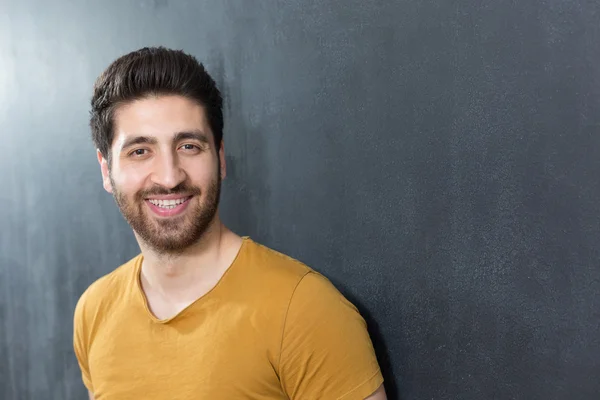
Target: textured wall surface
438 161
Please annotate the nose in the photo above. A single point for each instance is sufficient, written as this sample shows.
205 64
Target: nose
167 171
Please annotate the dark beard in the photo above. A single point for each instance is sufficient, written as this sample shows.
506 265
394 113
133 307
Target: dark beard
176 234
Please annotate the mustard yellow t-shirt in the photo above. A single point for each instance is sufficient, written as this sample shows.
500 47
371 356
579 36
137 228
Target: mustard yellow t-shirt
272 328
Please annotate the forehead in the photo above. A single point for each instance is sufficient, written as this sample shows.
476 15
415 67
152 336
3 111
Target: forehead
159 117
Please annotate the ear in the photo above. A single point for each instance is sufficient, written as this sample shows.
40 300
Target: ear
105 174
222 163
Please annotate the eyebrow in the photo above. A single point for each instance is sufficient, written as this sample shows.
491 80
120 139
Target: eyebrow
138 140
177 137
192 135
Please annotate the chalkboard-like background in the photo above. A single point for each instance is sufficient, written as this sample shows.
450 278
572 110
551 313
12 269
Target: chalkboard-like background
438 161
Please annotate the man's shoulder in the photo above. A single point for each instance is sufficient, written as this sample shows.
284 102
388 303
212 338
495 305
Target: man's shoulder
273 265
278 276
106 289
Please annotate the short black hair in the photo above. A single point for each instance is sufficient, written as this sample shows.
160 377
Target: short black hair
152 71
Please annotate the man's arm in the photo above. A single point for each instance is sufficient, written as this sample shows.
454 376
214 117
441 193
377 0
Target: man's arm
378 395
80 344
326 351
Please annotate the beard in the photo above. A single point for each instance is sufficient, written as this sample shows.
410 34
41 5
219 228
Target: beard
175 234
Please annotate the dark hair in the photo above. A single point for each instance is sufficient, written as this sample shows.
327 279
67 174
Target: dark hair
148 72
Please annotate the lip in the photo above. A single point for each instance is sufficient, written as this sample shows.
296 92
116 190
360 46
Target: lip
169 197
168 212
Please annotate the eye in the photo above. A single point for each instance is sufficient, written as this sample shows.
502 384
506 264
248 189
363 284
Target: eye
188 147
138 152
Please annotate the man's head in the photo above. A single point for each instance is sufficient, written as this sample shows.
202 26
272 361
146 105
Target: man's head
157 123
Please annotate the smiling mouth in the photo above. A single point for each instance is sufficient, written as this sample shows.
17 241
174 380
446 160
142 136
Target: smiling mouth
169 204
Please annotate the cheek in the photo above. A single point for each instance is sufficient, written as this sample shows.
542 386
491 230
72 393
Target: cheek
203 173
203 178
129 181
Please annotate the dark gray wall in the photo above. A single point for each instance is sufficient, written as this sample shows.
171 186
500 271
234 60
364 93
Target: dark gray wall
437 160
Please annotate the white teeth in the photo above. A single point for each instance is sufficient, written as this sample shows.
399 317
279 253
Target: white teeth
167 203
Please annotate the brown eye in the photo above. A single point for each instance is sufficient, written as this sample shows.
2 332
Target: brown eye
138 152
189 147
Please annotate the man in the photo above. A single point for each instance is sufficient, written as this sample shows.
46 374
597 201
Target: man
200 313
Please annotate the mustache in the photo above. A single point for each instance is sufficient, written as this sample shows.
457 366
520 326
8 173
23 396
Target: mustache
182 188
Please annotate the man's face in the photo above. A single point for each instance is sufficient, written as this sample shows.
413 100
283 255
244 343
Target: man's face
165 174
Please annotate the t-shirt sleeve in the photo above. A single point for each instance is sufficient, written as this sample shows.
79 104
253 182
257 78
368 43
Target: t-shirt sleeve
326 351
80 341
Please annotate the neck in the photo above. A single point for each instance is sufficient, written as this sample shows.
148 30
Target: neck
202 264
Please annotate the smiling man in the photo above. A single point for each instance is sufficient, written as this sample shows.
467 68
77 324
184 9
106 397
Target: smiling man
200 313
